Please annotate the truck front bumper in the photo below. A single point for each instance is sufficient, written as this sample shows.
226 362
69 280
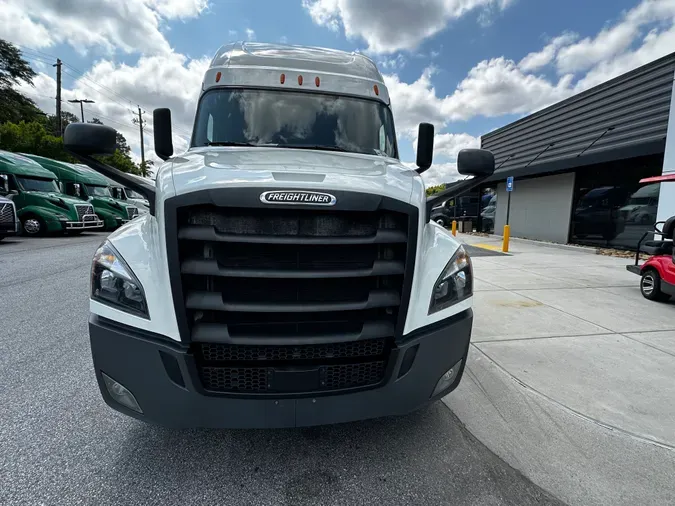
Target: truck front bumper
9 228
157 372
79 225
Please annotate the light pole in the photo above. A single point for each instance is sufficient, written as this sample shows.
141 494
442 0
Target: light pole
85 101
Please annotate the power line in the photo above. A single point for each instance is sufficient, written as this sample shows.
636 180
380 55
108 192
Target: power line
41 56
126 106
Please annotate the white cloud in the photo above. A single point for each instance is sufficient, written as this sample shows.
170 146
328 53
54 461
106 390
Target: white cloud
614 40
440 173
126 25
448 145
492 88
250 34
391 25
394 63
171 80
655 45
499 86
181 9
538 59
414 103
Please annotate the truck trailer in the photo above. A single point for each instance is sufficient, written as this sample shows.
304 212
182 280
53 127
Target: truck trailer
288 273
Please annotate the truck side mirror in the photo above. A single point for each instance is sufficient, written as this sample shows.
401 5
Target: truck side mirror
475 162
4 184
161 119
90 139
77 189
425 146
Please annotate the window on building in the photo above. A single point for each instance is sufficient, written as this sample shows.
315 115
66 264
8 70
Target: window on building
488 210
611 208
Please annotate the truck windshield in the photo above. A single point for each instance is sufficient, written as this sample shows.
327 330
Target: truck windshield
294 120
37 185
98 191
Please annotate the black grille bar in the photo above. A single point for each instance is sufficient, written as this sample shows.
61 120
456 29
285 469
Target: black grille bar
311 333
214 302
209 233
211 268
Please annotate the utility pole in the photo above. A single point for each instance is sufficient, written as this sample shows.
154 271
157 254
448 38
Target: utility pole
81 102
59 130
139 121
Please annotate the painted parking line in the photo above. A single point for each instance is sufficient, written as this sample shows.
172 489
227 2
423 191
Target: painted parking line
484 250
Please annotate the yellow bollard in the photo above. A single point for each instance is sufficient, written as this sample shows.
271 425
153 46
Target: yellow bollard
507 235
454 227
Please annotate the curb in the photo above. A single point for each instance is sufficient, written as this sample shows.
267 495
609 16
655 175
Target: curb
568 247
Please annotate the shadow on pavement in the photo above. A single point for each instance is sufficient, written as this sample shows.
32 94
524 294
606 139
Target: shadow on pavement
423 458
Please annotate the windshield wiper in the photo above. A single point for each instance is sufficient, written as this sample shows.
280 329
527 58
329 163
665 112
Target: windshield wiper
311 146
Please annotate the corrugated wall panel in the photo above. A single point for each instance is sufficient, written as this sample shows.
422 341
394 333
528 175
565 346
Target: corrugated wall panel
636 105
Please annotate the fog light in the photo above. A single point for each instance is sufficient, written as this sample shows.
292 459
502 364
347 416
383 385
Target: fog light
448 377
120 393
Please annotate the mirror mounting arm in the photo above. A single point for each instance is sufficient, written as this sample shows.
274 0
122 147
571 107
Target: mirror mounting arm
122 178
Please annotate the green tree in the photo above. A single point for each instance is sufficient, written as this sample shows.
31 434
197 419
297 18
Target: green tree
14 69
66 119
33 138
120 159
433 190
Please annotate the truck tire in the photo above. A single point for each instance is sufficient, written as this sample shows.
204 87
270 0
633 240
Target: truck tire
650 286
33 226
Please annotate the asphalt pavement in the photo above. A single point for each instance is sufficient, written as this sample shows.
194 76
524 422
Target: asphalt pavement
60 444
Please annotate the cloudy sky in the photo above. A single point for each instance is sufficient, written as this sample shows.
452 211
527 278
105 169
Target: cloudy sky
468 66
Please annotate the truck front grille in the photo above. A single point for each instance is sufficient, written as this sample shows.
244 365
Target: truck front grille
82 210
255 369
266 291
7 214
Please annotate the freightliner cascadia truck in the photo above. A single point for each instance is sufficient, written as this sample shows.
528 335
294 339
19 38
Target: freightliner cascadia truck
83 183
40 205
288 273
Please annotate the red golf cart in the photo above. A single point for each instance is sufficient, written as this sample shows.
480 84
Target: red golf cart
658 272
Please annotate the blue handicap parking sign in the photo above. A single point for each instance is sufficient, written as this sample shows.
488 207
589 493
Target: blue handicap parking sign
509 184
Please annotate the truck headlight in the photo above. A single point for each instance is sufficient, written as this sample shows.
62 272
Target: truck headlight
455 283
113 283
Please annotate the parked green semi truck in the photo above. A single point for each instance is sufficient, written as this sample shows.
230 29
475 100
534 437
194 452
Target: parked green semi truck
86 184
40 205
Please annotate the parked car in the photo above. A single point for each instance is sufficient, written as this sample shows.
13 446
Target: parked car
465 206
40 205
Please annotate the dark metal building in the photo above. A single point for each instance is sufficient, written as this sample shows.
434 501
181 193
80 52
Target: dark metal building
577 164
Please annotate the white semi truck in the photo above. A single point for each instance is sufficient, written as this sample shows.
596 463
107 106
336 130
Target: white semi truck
287 273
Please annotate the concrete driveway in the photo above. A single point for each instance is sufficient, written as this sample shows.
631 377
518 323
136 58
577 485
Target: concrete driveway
571 374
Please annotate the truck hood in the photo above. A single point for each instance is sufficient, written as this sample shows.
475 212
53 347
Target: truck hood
59 196
272 168
96 200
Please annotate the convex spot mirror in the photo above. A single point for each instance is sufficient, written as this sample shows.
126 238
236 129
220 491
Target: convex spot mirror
475 162
90 139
